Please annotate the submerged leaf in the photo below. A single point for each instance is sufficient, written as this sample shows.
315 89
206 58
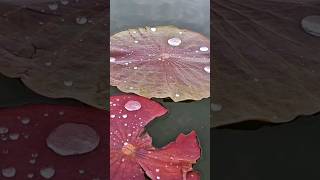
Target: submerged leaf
132 154
161 62
266 66
24 131
56 52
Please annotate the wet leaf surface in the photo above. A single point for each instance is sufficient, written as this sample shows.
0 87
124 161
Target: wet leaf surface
23 148
266 65
131 147
161 62
58 50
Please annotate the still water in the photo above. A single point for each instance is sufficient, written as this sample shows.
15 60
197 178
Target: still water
183 116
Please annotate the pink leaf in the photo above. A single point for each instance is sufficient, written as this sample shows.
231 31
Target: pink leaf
161 62
131 149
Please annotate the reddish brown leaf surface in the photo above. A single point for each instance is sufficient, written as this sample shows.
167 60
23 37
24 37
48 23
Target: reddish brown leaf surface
29 153
56 48
161 62
266 66
132 154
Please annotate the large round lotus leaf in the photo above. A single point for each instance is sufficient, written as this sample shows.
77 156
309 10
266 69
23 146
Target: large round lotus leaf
161 62
56 48
267 67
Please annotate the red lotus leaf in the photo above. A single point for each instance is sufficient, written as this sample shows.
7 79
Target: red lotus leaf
23 145
132 153
161 62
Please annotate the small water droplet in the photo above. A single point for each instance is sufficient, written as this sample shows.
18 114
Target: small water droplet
112 116
30 175
64 2
132 105
124 115
177 95
53 6
112 59
174 41
153 29
207 69
82 20
158 177
204 48
47 172
8 172
216 107
136 41
14 136
135 67
68 83
81 171
3 130
157 170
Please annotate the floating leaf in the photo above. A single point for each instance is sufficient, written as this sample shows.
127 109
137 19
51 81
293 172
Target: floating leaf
56 53
266 66
24 131
161 62
132 154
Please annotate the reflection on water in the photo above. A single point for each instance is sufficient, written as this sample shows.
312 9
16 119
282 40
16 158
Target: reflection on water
183 116
189 14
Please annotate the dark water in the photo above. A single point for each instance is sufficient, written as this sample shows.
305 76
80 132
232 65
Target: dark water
183 116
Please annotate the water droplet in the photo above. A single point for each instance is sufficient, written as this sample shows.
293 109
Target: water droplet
158 177
72 139
207 69
112 116
30 175
132 105
153 29
81 171
136 41
3 130
48 63
32 161
53 6
68 83
216 107
177 95
204 48
135 67
174 41
8 172
14 136
81 20
47 172
64 2
125 116
157 170
112 59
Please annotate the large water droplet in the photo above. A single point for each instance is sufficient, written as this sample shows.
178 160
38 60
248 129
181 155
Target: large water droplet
132 105
47 172
207 69
174 41
8 172
72 139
